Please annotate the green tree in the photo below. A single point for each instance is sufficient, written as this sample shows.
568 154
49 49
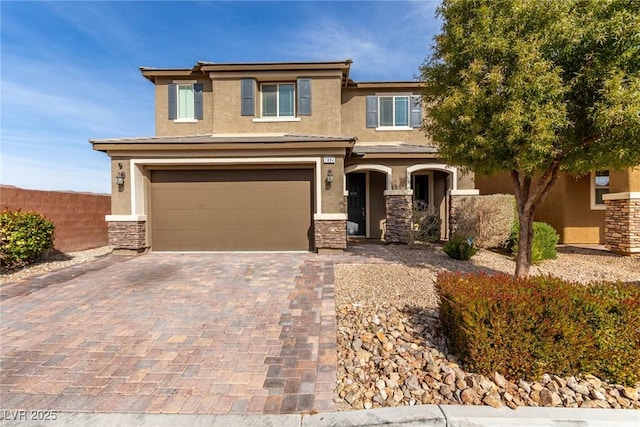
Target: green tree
532 88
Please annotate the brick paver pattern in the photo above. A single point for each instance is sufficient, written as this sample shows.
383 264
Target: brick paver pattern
173 333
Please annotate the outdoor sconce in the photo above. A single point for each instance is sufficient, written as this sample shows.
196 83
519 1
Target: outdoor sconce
120 178
329 176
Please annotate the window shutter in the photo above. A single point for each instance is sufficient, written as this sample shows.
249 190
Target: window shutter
304 97
372 111
416 111
248 104
197 100
173 101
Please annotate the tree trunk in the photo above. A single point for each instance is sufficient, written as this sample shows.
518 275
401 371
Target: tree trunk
525 242
528 198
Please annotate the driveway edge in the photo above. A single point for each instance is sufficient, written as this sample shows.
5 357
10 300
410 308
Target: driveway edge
408 416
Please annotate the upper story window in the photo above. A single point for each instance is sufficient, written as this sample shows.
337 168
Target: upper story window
393 111
278 100
599 187
285 101
185 101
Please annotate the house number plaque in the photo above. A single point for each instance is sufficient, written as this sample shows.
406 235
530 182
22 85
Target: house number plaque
329 160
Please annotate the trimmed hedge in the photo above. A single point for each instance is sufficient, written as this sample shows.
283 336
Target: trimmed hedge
523 328
24 237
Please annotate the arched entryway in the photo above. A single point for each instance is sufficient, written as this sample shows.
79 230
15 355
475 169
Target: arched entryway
430 183
364 193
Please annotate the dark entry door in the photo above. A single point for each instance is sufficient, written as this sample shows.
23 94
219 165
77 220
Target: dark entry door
356 202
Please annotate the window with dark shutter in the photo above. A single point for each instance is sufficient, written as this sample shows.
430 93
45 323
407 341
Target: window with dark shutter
198 110
304 97
416 111
172 95
248 105
372 111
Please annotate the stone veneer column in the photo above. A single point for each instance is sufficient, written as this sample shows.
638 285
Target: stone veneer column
622 223
399 204
330 232
127 235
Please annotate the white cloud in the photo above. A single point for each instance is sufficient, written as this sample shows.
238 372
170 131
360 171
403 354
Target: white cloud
388 43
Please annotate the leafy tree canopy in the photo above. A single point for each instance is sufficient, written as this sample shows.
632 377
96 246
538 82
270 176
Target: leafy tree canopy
536 85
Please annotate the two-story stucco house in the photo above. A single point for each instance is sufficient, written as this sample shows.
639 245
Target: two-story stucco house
274 156
290 156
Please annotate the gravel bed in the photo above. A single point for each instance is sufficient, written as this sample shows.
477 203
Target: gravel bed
54 262
391 354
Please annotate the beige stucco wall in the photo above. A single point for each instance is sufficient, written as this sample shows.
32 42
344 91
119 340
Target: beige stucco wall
627 180
399 170
566 208
166 127
377 209
354 110
333 194
324 118
120 195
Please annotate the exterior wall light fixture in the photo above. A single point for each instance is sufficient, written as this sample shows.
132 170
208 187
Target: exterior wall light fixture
120 176
329 176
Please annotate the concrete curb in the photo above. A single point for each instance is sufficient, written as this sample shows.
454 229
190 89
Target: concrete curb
407 416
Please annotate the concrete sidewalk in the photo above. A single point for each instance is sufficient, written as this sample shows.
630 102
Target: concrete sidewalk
423 415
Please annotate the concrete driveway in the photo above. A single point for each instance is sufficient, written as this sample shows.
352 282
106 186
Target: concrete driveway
187 333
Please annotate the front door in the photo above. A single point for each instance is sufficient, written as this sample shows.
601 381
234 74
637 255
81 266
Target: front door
356 202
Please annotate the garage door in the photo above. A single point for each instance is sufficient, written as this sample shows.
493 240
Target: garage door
203 210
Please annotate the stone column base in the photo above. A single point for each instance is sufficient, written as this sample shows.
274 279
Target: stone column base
330 232
399 205
126 237
622 223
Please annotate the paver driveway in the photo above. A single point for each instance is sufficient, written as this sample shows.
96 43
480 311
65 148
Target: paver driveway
188 333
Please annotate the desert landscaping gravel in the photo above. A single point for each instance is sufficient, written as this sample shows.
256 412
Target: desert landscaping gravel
391 354
54 262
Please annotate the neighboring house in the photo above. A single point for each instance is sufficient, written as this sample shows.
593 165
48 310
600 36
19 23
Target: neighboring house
602 207
296 156
274 156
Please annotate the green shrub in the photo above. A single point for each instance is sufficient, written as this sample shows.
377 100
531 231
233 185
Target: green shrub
24 237
459 247
426 223
526 327
545 241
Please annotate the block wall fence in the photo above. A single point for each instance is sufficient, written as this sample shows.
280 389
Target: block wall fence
78 217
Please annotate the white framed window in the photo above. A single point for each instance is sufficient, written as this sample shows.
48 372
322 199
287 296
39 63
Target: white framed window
599 187
278 99
393 112
185 101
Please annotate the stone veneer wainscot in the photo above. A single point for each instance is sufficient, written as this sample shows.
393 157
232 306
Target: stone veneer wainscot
330 233
399 205
622 223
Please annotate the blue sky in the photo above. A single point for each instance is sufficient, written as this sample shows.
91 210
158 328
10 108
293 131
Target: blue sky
69 70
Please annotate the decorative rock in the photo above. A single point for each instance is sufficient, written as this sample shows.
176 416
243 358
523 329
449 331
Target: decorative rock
398 360
549 398
525 386
578 388
468 396
499 379
630 393
445 390
492 401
